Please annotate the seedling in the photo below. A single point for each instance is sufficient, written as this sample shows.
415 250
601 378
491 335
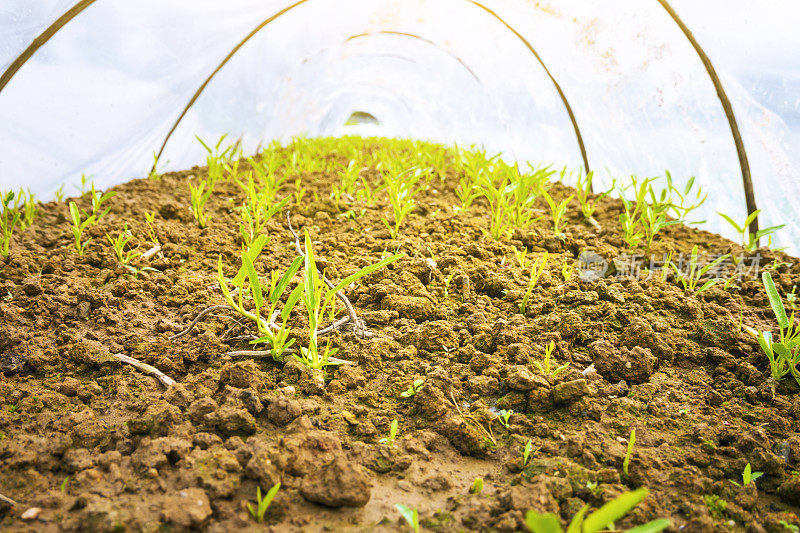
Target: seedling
527 451
401 188
599 520
504 416
155 175
692 278
59 194
389 441
411 516
263 504
98 199
199 197
9 218
63 486
257 210
584 191
784 356
248 284
496 194
317 301
477 486
557 211
566 269
546 368
626 462
521 256
28 206
536 272
216 160
119 242
413 388
149 219
447 281
80 221
748 476
750 240
299 190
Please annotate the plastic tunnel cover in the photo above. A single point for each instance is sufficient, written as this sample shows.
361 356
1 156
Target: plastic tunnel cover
101 95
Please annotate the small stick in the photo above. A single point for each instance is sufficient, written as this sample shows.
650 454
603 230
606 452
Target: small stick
202 313
8 500
144 367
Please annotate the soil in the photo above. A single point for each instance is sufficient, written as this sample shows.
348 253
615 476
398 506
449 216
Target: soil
98 445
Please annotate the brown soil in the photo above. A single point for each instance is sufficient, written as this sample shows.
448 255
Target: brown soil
100 446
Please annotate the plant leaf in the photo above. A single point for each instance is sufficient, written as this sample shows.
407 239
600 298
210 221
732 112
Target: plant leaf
543 523
775 300
613 510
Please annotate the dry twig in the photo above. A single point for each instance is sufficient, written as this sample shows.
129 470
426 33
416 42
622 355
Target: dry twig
144 367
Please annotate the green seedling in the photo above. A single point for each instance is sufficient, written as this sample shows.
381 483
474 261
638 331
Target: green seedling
505 415
629 453
474 168
80 221
249 285
216 160
411 516
546 368
496 192
263 504
536 272
584 193
477 486
566 269
257 210
59 194
118 243
784 355
10 216
521 256
28 206
150 221
527 451
748 476
447 281
389 441
599 520
789 527
317 298
299 191
412 389
98 199
557 211
199 197
692 278
154 174
401 187
84 180
750 240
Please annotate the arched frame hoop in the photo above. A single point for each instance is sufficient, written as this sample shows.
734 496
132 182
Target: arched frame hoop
747 182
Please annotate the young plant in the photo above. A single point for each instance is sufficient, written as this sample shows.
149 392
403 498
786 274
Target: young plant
584 193
216 160
784 355
536 272
401 188
546 368
257 210
199 197
28 206
505 415
750 240
447 281
474 168
629 453
59 194
9 218
716 505
411 516
80 221
599 520
248 285
496 193
154 174
124 257
566 269
318 299
98 199
748 476
477 486
389 441
527 451
557 211
150 221
413 389
692 278
263 504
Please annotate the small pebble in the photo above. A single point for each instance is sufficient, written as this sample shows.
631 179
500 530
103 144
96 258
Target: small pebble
31 514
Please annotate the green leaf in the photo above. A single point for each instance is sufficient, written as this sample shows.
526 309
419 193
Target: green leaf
543 523
613 510
255 283
294 296
576 524
410 515
252 253
775 300
651 527
285 279
271 495
731 222
310 274
365 271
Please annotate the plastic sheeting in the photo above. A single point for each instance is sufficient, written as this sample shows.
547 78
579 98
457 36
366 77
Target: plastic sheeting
100 97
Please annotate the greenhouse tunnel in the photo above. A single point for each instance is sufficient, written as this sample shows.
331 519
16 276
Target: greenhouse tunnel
97 87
